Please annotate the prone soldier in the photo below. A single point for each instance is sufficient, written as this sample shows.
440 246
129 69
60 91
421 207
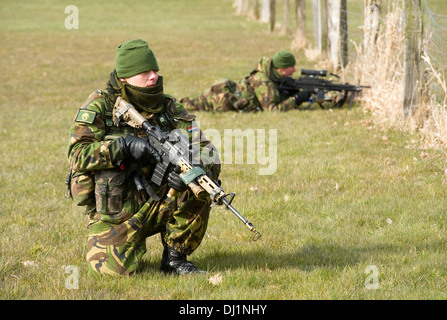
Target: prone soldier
256 92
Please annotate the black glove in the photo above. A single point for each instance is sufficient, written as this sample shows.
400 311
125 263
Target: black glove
175 182
137 148
288 82
302 96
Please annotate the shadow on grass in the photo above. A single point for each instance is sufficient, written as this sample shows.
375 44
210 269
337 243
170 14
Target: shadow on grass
310 257
306 258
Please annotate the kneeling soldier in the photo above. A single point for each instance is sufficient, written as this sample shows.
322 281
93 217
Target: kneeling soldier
104 160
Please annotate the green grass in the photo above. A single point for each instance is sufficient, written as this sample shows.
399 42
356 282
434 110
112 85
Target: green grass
345 195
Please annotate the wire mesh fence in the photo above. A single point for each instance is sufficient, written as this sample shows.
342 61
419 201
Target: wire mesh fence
436 30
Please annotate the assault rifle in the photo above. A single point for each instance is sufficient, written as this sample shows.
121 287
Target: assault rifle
324 89
175 150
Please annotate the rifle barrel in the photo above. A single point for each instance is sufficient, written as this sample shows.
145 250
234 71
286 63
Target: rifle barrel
249 225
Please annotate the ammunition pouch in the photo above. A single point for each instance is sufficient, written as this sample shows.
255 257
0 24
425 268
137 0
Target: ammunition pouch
109 189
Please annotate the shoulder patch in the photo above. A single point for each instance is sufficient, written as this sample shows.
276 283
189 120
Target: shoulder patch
85 116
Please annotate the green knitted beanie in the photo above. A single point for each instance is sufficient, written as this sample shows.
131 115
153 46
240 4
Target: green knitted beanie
134 57
283 59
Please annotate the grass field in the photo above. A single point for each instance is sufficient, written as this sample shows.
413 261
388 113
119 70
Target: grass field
351 212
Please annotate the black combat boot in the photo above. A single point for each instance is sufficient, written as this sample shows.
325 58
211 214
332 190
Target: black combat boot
173 261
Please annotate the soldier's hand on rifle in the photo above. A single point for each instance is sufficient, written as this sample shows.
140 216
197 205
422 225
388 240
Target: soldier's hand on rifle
175 182
302 96
288 82
138 149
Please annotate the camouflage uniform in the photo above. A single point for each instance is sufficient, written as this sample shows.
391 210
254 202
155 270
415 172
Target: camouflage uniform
256 92
120 217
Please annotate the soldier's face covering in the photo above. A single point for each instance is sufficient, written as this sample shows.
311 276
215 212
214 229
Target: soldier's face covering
143 97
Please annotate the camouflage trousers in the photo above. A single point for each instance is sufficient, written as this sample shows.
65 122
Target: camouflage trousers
224 95
117 249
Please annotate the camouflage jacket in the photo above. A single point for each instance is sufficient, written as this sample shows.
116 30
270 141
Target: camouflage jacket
89 153
261 92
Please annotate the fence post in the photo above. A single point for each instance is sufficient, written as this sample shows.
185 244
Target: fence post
272 6
371 15
412 56
265 11
300 18
254 9
338 33
268 13
343 33
286 30
320 25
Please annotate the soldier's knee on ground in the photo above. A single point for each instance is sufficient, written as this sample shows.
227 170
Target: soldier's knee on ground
115 249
